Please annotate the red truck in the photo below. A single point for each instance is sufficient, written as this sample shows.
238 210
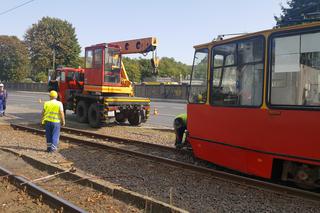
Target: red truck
102 90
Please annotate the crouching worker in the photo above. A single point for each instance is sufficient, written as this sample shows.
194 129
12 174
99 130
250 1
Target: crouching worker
180 126
52 118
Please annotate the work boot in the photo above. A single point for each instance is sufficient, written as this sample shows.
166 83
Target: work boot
178 145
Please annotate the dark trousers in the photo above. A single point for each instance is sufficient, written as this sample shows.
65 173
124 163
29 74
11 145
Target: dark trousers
179 135
52 135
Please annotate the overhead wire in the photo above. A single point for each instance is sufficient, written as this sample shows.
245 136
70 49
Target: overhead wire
16 7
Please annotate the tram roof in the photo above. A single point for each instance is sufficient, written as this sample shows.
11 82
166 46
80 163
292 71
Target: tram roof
263 32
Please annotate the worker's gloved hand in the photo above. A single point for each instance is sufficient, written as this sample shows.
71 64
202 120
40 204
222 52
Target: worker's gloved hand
63 123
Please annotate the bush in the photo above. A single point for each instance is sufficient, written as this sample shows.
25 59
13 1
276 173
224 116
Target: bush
41 77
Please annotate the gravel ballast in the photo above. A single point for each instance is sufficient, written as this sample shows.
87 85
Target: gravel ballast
192 191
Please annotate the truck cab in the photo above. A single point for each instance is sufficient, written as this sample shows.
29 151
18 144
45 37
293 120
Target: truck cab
67 81
104 71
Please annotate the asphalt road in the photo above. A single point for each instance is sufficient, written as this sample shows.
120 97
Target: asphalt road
26 106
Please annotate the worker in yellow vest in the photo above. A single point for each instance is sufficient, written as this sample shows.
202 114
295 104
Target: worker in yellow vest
53 118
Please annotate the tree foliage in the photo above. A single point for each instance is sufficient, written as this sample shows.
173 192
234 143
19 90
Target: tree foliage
14 61
139 69
299 11
145 68
52 35
132 67
168 67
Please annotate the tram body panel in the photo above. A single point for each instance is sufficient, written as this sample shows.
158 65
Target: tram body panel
216 136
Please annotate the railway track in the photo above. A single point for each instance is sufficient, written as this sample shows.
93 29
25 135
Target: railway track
86 191
127 149
37 192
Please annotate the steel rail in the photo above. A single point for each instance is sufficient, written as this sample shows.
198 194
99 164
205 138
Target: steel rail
225 176
119 140
37 192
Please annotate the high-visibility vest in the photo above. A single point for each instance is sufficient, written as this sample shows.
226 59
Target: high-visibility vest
52 111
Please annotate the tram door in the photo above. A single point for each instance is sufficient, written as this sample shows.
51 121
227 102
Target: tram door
294 94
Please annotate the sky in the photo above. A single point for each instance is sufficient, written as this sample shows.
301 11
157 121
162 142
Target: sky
178 24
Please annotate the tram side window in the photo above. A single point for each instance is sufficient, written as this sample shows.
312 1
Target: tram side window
295 71
238 73
199 82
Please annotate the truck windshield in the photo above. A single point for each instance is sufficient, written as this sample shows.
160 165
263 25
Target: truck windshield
112 66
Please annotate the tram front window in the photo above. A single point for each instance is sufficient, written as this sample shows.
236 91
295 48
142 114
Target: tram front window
295 70
199 83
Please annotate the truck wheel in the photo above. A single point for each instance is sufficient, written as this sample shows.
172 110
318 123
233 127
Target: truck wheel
95 116
120 117
65 110
135 118
82 112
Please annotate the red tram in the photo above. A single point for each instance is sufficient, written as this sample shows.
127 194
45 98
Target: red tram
254 103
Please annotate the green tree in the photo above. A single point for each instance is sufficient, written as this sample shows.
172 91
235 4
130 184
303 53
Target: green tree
133 69
299 11
168 67
52 36
139 69
145 67
14 61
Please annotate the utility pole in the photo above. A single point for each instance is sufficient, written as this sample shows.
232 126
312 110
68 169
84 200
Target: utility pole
51 71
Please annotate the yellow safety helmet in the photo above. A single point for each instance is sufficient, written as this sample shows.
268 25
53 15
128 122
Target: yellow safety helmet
53 94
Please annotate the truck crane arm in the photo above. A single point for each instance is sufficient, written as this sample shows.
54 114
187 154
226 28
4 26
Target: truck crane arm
142 45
